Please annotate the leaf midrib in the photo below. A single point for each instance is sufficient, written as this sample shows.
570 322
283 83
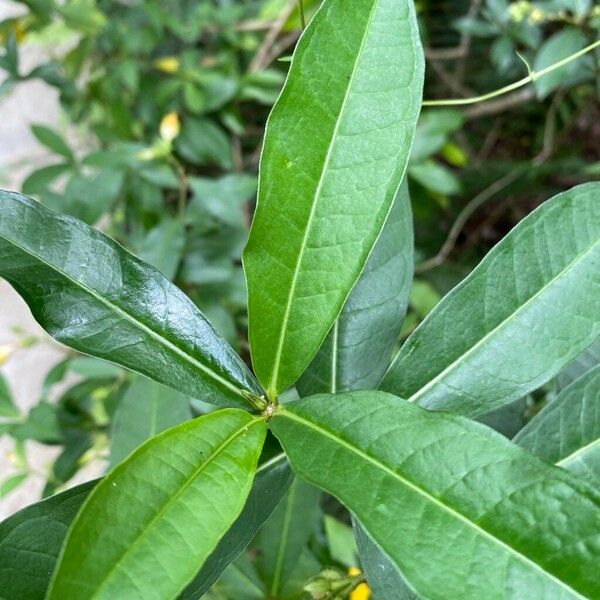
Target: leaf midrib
564 462
272 387
438 378
283 539
130 318
284 413
172 500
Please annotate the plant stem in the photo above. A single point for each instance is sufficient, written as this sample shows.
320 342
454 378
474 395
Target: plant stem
533 76
302 16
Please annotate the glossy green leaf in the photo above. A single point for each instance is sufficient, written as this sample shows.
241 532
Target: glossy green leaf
272 480
335 152
357 352
30 541
587 360
284 536
567 431
147 528
92 295
525 312
515 526
145 410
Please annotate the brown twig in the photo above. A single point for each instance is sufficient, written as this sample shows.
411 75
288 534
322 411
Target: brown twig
497 186
444 53
453 85
262 55
283 44
493 107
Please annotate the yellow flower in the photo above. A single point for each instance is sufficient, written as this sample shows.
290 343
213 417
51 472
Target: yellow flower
362 591
167 64
170 126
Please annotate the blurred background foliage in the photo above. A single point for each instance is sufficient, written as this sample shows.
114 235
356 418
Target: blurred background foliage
165 104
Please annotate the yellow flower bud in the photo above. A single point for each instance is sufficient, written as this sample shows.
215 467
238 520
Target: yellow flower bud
362 591
170 127
167 64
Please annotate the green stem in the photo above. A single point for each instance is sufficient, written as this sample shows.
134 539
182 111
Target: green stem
302 16
533 76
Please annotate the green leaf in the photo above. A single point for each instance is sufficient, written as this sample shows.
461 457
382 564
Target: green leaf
41 425
163 246
284 536
271 482
358 350
52 140
239 581
587 360
7 406
335 152
203 143
558 46
340 541
93 368
567 431
435 177
383 577
82 15
137 535
515 526
433 131
112 305
221 198
30 541
146 409
12 483
160 175
39 181
524 313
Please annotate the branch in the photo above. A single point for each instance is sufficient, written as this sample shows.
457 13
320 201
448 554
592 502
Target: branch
533 76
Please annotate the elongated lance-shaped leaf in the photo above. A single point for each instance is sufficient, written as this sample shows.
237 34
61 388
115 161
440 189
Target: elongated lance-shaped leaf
358 350
283 538
587 360
567 431
515 526
273 479
92 295
525 312
30 540
149 526
335 152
